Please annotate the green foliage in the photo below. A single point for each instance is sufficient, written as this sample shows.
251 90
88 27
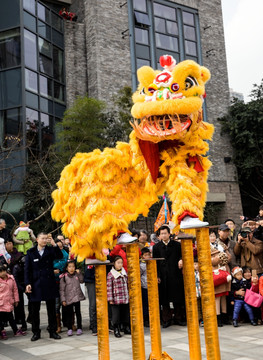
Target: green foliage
81 128
244 125
118 121
211 212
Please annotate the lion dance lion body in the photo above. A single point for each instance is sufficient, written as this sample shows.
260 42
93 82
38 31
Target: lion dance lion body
101 192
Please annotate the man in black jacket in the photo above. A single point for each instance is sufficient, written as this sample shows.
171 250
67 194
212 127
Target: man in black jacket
41 284
170 278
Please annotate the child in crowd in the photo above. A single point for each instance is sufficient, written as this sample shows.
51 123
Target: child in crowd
71 295
145 254
198 291
8 299
238 288
23 237
118 296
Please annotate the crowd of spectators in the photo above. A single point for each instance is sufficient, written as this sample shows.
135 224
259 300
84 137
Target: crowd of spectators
43 268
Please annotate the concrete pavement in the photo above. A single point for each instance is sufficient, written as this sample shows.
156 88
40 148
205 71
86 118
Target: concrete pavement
242 343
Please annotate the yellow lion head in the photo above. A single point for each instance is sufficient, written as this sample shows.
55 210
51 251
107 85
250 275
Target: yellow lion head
168 103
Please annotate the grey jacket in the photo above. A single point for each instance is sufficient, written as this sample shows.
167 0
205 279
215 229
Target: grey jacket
143 274
69 288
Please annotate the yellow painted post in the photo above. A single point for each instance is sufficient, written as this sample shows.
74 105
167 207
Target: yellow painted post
190 297
207 294
154 313
102 313
135 293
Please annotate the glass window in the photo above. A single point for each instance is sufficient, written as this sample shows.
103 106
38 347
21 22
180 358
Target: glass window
43 13
139 5
189 33
59 92
31 100
58 64
46 130
142 51
44 30
44 47
56 21
10 88
57 38
30 6
31 80
141 19
190 48
166 42
46 105
45 65
142 62
141 36
9 14
45 86
165 12
159 25
59 110
12 128
10 54
188 18
30 50
32 128
172 27
29 21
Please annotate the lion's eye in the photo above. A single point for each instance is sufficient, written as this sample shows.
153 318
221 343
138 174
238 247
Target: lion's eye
190 82
142 92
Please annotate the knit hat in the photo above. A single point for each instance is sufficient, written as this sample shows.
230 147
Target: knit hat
236 269
22 223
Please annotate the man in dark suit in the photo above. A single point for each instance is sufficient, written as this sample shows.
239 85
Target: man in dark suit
170 278
41 284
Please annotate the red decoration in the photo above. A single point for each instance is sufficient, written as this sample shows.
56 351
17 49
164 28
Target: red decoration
166 60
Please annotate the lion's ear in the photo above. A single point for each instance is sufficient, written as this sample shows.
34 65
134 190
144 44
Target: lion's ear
145 75
205 74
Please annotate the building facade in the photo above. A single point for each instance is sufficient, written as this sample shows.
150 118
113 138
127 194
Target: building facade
102 51
32 81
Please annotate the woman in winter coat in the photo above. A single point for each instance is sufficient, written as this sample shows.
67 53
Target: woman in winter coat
71 295
220 260
118 296
8 299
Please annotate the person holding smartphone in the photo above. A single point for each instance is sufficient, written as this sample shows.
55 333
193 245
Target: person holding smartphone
250 250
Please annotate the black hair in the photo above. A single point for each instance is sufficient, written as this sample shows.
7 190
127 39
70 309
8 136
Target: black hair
70 262
145 250
135 232
195 259
3 267
246 269
261 207
58 240
163 227
41 233
229 220
117 257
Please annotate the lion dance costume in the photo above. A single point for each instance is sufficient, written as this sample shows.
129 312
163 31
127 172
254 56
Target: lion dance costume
101 192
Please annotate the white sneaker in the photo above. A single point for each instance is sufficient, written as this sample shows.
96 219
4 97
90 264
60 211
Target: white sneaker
126 238
191 223
95 262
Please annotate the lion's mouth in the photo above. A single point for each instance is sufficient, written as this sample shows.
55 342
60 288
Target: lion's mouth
157 127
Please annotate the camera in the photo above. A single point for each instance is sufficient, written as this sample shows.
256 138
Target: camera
244 234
